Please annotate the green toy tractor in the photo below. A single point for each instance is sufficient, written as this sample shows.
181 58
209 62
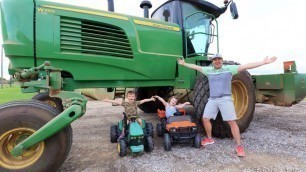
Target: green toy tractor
137 138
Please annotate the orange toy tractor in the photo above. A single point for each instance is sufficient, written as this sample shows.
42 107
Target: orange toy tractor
177 129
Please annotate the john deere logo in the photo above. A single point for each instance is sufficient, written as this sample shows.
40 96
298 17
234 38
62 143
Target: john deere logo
45 10
157 25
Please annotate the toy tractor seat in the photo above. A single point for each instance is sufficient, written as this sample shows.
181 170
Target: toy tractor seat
162 113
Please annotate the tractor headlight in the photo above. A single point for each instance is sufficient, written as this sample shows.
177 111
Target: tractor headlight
173 130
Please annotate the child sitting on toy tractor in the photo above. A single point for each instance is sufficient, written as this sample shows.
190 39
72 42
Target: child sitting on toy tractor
171 106
135 132
176 128
171 109
130 108
137 138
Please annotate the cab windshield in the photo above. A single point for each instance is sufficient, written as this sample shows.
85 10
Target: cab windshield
198 28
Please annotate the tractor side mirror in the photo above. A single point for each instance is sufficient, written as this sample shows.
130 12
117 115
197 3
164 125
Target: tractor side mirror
234 11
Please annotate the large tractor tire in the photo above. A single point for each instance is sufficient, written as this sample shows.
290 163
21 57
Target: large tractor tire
159 130
147 92
53 101
243 94
19 120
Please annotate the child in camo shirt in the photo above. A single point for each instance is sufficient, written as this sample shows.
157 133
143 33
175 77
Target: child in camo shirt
130 107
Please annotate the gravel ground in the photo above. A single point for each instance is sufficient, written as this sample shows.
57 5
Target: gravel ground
275 141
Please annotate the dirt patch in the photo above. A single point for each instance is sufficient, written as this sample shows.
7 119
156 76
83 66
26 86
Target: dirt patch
275 141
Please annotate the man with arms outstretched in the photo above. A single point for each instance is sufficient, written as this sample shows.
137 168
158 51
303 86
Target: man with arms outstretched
219 78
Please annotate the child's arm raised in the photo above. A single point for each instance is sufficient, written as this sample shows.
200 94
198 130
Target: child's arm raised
146 100
179 106
113 101
161 99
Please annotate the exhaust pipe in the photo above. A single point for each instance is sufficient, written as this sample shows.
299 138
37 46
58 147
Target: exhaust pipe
145 5
111 5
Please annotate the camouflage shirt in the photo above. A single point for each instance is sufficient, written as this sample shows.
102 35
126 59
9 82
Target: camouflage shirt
130 108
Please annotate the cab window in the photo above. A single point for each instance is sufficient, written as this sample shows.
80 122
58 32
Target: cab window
168 12
197 27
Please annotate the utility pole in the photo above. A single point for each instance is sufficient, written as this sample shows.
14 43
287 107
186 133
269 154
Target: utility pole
1 67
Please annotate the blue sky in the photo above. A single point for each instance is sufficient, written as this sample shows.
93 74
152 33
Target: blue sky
264 28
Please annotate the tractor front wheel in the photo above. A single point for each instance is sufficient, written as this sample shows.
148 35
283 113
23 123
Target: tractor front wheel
149 128
159 130
167 142
114 133
149 144
197 141
122 147
19 120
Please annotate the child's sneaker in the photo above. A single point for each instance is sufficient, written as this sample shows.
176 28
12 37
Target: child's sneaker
207 141
240 151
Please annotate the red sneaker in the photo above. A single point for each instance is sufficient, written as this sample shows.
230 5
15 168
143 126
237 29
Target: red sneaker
240 151
207 141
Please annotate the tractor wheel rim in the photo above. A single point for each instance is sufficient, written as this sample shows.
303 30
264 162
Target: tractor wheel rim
240 98
52 103
9 140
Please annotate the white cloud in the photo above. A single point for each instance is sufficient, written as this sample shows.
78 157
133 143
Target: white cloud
266 28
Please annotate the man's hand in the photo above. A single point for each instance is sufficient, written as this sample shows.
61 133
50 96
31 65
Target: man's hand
180 61
269 60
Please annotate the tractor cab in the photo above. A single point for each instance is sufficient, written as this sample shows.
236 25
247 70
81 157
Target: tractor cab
197 19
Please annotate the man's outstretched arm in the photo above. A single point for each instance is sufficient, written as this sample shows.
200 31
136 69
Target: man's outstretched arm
191 66
257 64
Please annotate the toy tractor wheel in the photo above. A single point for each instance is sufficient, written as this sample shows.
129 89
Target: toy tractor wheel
149 127
149 144
146 92
164 124
159 129
167 142
114 133
53 101
243 94
19 120
121 147
197 141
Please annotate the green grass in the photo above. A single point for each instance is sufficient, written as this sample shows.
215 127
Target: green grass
8 94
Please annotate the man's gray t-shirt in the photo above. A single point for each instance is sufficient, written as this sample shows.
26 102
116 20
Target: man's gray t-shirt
220 79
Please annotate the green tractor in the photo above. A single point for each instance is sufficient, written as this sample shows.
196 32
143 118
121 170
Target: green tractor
56 48
137 138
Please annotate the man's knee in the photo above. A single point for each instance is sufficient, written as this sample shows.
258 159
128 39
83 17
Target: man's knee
232 122
205 119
